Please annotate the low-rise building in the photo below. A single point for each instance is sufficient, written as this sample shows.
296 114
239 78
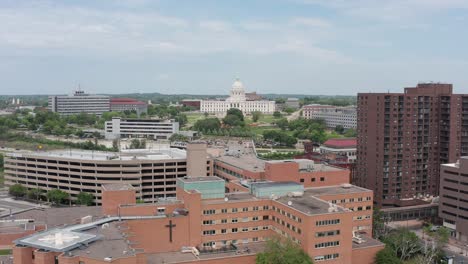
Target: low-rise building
340 147
332 115
79 102
140 128
152 173
128 104
292 103
453 203
205 225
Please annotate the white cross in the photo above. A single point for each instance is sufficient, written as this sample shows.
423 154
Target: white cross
58 238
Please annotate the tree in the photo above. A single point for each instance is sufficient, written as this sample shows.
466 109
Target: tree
115 145
404 243
282 123
57 196
289 110
182 119
85 198
256 115
387 256
277 114
378 224
35 194
284 251
206 114
207 124
178 137
350 132
137 144
17 190
1 161
339 129
233 121
236 112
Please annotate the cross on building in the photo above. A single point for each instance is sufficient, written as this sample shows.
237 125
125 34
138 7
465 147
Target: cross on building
170 226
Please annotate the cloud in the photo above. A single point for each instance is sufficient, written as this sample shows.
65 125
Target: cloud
215 26
309 22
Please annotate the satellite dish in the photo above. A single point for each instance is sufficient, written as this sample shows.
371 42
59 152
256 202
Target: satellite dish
289 203
226 199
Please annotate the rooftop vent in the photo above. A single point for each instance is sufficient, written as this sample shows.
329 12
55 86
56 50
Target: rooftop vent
346 186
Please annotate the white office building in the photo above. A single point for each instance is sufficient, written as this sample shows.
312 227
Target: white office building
332 115
237 99
79 102
140 128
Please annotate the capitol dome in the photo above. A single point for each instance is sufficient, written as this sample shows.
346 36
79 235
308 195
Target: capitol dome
237 85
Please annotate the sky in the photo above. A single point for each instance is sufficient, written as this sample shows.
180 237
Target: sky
329 47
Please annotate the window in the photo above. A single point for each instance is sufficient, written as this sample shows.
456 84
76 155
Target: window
313 179
301 180
209 232
245 219
234 210
234 220
223 231
255 239
327 244
208 222
254 228
209 212
265 217
255 218
223 221
327 257
322 179
234 230
245 209
245 229
327 222
255 208
224 211
327 233
265 207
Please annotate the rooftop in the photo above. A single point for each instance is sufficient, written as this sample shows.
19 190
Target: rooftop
244 162
200 179
341 143
337 189
117 187
57 240
124 101
308 204
369 242
125 155
274 184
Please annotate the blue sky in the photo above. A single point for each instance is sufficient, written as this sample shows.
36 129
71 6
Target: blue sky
199 47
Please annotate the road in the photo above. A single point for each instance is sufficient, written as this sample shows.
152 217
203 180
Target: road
294 115
7 203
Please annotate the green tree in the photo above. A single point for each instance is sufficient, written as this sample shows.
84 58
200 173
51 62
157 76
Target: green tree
256 115
277 114
178 137
137 144
378 224
85 198
57 196
1 161
387 256
35 194
236 112
207 124
350 132
284 251
232 121
17 190
404 243
339 129
182 119
282 123
289 110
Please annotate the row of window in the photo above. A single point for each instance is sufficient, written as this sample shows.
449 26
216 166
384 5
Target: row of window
235 210
352 200
233 230
291 216
327 233
327 222
287 225
327 257
327 244
224 243
234 220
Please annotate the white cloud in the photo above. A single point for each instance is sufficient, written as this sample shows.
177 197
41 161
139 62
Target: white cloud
215 26
309 22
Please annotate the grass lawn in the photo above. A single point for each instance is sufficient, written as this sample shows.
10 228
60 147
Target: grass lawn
264 119
193 117
4 252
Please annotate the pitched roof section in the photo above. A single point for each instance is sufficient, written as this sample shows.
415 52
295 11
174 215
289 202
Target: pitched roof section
341 143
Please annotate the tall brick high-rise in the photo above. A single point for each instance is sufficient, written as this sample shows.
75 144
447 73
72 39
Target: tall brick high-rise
404 137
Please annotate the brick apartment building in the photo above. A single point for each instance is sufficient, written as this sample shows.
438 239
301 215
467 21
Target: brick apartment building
453 204
208 226
403 138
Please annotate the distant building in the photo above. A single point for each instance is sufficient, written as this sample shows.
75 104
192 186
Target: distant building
128 104
332 115
453 203
79 102
140 128
292 103
237 99
340 147
194 103
253 96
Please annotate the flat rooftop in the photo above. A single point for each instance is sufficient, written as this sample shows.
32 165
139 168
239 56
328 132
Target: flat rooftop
200 179
369 242
117 187
274 184
337 189
244 162
126 155
308 204
57 216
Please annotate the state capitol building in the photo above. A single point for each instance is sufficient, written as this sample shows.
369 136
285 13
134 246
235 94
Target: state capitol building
237 99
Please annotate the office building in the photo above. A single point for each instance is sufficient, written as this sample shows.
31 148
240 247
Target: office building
128 104
237 99
79 102
453 203
140 128
292 103
152 173
336 147
332 115
403 138
205 225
